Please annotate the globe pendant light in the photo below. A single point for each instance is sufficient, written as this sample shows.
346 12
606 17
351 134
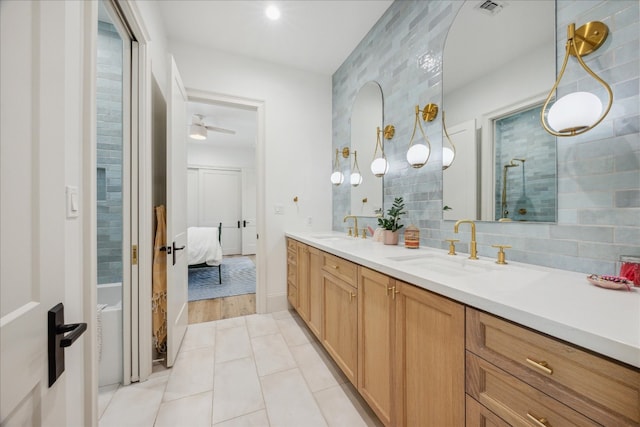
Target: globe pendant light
448 154
356 176
418 154
337 177
380 165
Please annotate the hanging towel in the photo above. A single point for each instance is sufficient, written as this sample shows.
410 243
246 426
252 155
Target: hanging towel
159 287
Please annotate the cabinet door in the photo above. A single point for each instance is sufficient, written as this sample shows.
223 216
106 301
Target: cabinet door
376 320
340 328
303 281
430 359
315 292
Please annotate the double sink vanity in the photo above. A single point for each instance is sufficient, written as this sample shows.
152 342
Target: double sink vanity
432 339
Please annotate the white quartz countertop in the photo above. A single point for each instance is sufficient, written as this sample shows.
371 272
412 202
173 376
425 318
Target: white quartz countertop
560 303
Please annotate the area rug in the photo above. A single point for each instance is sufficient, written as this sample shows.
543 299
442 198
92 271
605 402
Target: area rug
238 278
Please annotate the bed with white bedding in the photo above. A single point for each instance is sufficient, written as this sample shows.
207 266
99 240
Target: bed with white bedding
204 246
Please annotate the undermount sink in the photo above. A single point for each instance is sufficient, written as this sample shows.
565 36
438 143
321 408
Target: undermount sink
446 264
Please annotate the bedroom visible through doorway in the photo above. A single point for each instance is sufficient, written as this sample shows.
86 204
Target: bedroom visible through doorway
221 210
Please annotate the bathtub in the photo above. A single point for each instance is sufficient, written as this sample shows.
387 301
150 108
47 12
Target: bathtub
111 366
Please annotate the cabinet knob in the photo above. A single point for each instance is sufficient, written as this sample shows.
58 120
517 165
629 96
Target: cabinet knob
351 296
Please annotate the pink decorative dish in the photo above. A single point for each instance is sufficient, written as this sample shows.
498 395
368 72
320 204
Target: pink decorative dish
609 282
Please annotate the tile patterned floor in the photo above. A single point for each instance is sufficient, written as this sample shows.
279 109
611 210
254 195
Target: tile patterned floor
257 370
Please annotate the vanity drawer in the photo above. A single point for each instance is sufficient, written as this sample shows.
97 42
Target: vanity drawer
340 268
514 401
479 416
597 387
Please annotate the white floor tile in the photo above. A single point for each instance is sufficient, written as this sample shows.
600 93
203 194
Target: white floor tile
293 333
105 394
272 354
232 343
289 401
191 374
340 409
236 390
199 335
284 314
135 405
233 322
317 371
191 411
256 419
261 324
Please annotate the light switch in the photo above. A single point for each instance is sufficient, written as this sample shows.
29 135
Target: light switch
73 202
278 209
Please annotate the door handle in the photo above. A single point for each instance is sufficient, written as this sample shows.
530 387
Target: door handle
58 339
238 224
244 223
176 249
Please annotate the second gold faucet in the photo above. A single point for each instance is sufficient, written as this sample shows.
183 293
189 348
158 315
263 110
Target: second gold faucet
355 222
473 246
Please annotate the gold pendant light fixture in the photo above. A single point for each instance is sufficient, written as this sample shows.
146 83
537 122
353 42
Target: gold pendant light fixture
418 154
448 154
337 177
578 112
380 165
356 175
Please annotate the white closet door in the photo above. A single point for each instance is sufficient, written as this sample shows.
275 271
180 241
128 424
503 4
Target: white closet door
220 201
249 230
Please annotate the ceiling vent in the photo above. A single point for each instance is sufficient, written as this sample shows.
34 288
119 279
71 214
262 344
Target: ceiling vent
490 7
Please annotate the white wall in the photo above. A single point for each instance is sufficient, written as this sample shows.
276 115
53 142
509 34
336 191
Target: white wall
199 154
297 143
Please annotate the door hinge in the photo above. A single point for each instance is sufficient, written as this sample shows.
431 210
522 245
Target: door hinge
134 254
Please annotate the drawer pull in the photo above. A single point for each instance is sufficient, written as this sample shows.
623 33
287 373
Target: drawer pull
542 365
351 296
335 266
542 422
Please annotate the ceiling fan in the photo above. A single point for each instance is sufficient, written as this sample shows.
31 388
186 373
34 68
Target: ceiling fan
198 130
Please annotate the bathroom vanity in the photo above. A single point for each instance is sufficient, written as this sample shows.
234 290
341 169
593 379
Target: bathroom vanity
433 339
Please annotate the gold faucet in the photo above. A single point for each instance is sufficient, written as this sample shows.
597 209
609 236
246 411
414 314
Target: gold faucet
473 244
355 222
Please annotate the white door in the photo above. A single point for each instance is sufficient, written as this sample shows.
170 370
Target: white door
249 229
177 294
192 197
461 197
220 201
36 132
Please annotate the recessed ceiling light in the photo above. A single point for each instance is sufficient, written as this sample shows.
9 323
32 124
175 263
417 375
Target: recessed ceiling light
272 12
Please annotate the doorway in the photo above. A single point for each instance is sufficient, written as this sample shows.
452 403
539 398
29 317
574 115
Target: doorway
115 213
222 196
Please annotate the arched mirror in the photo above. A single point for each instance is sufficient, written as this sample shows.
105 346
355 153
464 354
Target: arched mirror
366 117
498 66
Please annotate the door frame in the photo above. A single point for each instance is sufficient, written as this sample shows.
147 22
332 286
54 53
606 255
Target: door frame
140 139
197 95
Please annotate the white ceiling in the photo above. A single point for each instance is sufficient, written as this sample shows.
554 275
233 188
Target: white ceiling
311 35
315 35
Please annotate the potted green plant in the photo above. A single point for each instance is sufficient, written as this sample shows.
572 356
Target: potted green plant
391 222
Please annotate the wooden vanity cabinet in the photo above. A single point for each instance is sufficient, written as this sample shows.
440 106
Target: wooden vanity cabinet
292 272
376 335
429 359
513 370
340 313
303 280
315 292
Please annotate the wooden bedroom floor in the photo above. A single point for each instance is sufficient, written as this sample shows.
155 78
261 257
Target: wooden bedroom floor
222 308
207 310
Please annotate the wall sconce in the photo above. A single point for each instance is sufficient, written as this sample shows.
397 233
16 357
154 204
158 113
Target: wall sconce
418 154
380 165
448 154
578 112
337 177
356 176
